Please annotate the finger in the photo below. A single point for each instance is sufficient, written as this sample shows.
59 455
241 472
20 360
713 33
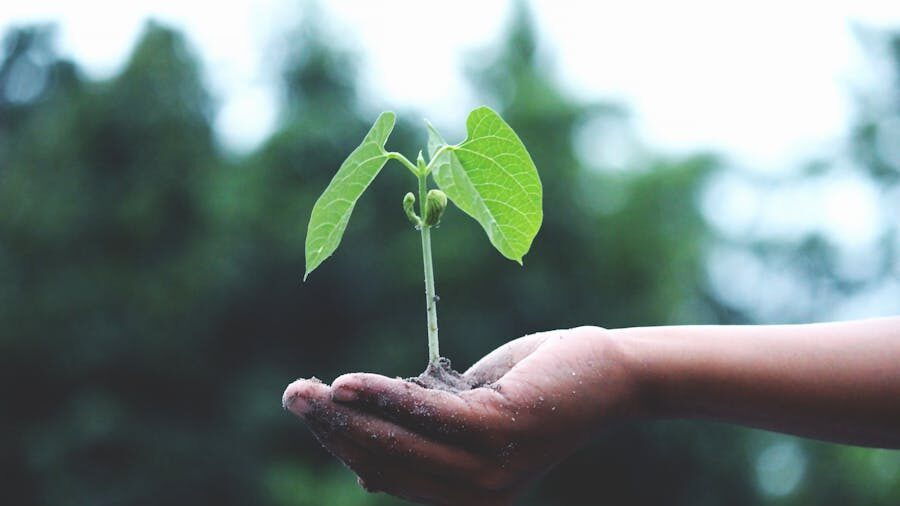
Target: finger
379 473
312 401
403 475
382 437
442 415
495 364
304 395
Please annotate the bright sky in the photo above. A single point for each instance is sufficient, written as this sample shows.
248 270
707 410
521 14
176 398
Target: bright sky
764 81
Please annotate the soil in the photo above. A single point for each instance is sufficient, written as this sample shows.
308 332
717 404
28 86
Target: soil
441 376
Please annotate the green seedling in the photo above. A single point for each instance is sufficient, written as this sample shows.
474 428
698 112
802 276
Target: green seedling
490 176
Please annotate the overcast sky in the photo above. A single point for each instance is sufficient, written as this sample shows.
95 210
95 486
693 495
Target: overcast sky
766 82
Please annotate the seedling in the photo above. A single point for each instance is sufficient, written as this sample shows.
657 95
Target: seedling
489 176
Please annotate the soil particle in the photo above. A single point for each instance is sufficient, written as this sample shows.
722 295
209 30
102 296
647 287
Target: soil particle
505 454
441 376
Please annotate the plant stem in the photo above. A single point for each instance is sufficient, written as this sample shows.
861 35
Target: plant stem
393 155
430 297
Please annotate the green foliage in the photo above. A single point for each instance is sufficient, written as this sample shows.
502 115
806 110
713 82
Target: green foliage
151 316
491 177
332 211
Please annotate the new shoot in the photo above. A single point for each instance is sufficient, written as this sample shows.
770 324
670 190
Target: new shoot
489 176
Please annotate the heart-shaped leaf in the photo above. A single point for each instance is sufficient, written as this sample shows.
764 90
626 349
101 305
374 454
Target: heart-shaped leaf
491 177
332 211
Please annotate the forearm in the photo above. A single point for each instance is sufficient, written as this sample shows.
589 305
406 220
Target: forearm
836 381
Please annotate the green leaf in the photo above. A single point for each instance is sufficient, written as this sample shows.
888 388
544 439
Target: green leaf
332 211
491 177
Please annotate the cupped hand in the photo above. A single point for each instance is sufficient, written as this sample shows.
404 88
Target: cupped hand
538 399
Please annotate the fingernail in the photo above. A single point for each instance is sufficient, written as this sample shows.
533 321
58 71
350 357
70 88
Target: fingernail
343 394
300 405
295 403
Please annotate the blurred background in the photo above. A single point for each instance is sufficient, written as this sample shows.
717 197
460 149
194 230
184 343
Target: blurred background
159 162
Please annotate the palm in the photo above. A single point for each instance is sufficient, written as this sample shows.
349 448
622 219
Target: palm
539 399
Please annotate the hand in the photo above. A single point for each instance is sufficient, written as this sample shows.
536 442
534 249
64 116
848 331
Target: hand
541 397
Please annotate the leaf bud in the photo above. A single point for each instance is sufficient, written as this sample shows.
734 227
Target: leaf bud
435 203
408 200
420 161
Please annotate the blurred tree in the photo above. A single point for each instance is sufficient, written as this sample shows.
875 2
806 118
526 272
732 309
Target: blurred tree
818 276
876 135
875 146
617 248
101 287
152 308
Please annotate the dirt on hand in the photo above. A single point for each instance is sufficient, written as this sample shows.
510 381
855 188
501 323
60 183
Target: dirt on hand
441 376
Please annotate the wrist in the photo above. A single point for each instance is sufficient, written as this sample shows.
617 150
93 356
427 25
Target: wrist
642 363
624 388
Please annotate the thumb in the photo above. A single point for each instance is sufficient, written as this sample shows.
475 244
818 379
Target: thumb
497 363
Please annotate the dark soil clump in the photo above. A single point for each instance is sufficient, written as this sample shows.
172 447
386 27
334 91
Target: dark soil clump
441 376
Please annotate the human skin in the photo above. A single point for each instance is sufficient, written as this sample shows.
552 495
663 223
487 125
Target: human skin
546 394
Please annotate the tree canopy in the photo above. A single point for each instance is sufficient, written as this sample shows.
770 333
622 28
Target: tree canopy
152 308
